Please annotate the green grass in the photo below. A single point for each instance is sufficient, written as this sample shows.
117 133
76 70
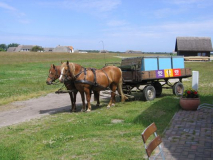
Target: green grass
87 135
23 75
82 135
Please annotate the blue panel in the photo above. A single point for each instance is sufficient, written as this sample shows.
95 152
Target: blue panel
149 64
165 63
178 62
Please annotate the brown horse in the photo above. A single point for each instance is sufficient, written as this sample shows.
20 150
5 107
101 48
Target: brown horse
54 73
86 80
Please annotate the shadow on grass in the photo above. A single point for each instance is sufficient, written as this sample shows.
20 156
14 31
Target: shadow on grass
160 112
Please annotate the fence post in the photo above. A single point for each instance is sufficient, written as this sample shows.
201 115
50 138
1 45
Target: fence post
195 80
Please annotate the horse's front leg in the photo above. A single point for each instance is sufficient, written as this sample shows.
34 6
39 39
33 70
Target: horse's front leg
88 98
112 99
83 101
72 100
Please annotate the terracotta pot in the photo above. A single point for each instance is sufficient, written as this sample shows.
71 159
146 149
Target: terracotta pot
189 103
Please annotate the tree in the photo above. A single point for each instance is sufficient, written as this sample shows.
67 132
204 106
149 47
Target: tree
13 45
3 47
2 50
37 48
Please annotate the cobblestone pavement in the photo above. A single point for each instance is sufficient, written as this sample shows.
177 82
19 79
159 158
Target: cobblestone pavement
189 136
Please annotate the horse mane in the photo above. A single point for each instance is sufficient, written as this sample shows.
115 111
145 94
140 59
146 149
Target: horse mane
72 69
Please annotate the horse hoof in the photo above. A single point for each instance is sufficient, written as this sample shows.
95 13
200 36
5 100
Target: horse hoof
113 104
108 107
88 110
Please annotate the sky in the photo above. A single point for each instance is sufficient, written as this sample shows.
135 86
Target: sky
114 25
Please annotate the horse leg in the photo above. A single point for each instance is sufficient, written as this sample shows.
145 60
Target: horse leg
71 99
88 97
83 101
112 99
96 97
74 101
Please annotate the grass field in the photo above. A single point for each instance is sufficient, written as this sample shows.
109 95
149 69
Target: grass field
78 135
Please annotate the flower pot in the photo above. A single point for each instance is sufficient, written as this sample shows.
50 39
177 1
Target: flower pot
189 103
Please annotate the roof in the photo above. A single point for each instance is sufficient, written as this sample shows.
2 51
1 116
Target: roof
48 49
70 47
11 49
22 47
193 44
27 46
61 49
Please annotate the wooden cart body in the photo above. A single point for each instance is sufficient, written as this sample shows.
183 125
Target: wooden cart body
153 71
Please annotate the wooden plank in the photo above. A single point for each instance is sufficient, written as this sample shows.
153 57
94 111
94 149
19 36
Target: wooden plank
148 75
131 75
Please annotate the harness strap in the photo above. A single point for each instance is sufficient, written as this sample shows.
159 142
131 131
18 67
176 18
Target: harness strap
95 81
76 76
106 76
94 84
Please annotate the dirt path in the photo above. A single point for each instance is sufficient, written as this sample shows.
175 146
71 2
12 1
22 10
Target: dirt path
35 108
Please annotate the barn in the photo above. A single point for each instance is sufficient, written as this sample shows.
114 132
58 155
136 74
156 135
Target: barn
193 46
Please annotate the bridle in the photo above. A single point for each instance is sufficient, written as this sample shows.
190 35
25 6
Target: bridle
54 77
70 76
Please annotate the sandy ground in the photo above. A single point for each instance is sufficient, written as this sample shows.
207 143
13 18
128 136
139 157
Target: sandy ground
22 111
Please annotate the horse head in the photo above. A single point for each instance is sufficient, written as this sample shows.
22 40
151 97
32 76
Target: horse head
54 73
67 72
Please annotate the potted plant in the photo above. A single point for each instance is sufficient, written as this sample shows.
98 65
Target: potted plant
190 99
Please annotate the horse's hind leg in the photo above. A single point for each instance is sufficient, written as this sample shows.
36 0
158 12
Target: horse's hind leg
96 97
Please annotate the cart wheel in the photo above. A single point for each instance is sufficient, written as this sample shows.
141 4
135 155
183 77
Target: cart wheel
178 89
158 88
149 93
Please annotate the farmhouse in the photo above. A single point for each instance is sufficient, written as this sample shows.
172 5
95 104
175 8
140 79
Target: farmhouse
20 48
59 48
193 46
48 49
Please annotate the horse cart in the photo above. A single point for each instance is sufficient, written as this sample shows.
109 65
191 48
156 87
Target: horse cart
155 73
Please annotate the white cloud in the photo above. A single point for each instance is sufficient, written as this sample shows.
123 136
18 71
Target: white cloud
14 12
6 6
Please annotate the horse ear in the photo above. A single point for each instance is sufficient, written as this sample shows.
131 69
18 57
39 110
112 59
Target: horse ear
67 62
61 62
53 66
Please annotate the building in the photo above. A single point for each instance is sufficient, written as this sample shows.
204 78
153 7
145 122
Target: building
193 46
20 48
11 49
27 48
68 49
48 49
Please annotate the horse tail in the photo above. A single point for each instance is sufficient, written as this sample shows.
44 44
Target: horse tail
120 88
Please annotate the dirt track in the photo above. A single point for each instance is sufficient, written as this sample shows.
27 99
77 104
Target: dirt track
34 108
